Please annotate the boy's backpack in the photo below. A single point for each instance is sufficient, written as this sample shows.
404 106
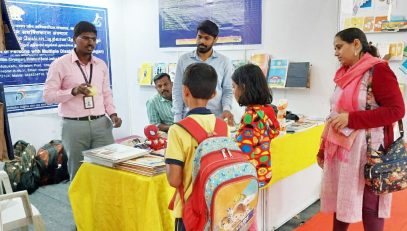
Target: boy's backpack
23 171
52 162
225 187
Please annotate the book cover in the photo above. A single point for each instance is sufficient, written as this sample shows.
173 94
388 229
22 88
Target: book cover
171 70
145 74
262 60
114 153
298 74
396 51
159 68
368 24
277 75
403 67
238 63
378 23
358 22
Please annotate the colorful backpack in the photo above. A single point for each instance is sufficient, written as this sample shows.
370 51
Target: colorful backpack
52 162
23 171
225 187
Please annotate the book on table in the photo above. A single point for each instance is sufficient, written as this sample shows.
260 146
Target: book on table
149 165
112 154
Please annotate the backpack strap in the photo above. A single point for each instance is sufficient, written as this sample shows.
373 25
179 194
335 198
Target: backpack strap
199 133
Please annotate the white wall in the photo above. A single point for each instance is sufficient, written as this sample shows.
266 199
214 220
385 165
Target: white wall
305 35
40 127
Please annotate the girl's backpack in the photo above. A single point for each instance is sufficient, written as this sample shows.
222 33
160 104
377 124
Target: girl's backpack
225 187
52 162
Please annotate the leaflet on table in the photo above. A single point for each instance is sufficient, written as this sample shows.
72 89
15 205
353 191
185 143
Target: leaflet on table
115 153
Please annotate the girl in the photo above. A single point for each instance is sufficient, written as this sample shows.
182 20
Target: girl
258 124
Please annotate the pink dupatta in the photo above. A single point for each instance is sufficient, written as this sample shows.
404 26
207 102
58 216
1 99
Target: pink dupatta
349 80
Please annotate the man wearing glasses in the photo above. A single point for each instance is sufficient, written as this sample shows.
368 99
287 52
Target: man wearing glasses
79 83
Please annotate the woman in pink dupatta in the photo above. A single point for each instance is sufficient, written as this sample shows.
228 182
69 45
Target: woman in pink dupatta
342 153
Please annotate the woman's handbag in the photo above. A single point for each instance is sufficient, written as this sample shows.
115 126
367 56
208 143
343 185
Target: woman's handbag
386 170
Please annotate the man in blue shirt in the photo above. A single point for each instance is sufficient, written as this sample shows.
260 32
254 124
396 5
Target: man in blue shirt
160 105
221 104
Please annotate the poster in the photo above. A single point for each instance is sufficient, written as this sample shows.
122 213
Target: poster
239 21
45 32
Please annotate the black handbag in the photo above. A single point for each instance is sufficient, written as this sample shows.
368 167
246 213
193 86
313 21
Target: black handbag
386 170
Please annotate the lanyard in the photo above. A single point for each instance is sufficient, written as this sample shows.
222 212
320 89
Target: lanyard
83 73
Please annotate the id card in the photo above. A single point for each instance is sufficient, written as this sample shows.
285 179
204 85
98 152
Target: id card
88 102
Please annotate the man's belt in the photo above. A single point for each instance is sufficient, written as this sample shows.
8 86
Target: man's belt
88 118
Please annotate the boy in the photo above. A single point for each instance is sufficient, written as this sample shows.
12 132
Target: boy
199 86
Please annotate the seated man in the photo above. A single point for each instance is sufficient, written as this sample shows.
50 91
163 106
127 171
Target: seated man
159 106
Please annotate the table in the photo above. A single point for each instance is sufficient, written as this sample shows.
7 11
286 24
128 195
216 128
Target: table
108 199
296 178
103 198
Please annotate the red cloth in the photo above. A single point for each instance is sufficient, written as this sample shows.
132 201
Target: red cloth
388 95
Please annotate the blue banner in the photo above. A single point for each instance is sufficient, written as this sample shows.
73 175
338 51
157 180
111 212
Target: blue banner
239 21
45 32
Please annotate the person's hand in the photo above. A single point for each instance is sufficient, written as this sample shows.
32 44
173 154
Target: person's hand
320 162
320 159
117 121
229 117
339 121
81 89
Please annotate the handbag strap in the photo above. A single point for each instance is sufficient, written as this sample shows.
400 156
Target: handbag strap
369 107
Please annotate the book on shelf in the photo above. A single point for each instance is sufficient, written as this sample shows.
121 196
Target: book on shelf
159 68
277 75
262 60
171 70
145 74
112 154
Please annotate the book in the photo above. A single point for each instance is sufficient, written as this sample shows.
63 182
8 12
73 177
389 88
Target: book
262 60
148 165
145 74
112 154
277 75
298 74
368 24
159 68
302 125
171 70
378 21
238 63
403 67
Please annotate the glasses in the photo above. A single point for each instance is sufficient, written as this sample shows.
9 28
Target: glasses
87 38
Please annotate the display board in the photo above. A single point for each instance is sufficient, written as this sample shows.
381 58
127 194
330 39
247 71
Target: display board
239 21
45 33
374 15
10 39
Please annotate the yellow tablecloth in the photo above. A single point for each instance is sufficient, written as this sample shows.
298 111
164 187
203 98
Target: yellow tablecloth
292 153
108 199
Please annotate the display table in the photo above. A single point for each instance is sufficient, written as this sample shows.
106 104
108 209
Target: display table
108 199
103 198
296 178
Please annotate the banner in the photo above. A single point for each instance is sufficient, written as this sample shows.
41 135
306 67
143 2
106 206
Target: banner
45 32
239 21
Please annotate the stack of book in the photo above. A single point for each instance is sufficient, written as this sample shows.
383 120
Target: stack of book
148 165
112 154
